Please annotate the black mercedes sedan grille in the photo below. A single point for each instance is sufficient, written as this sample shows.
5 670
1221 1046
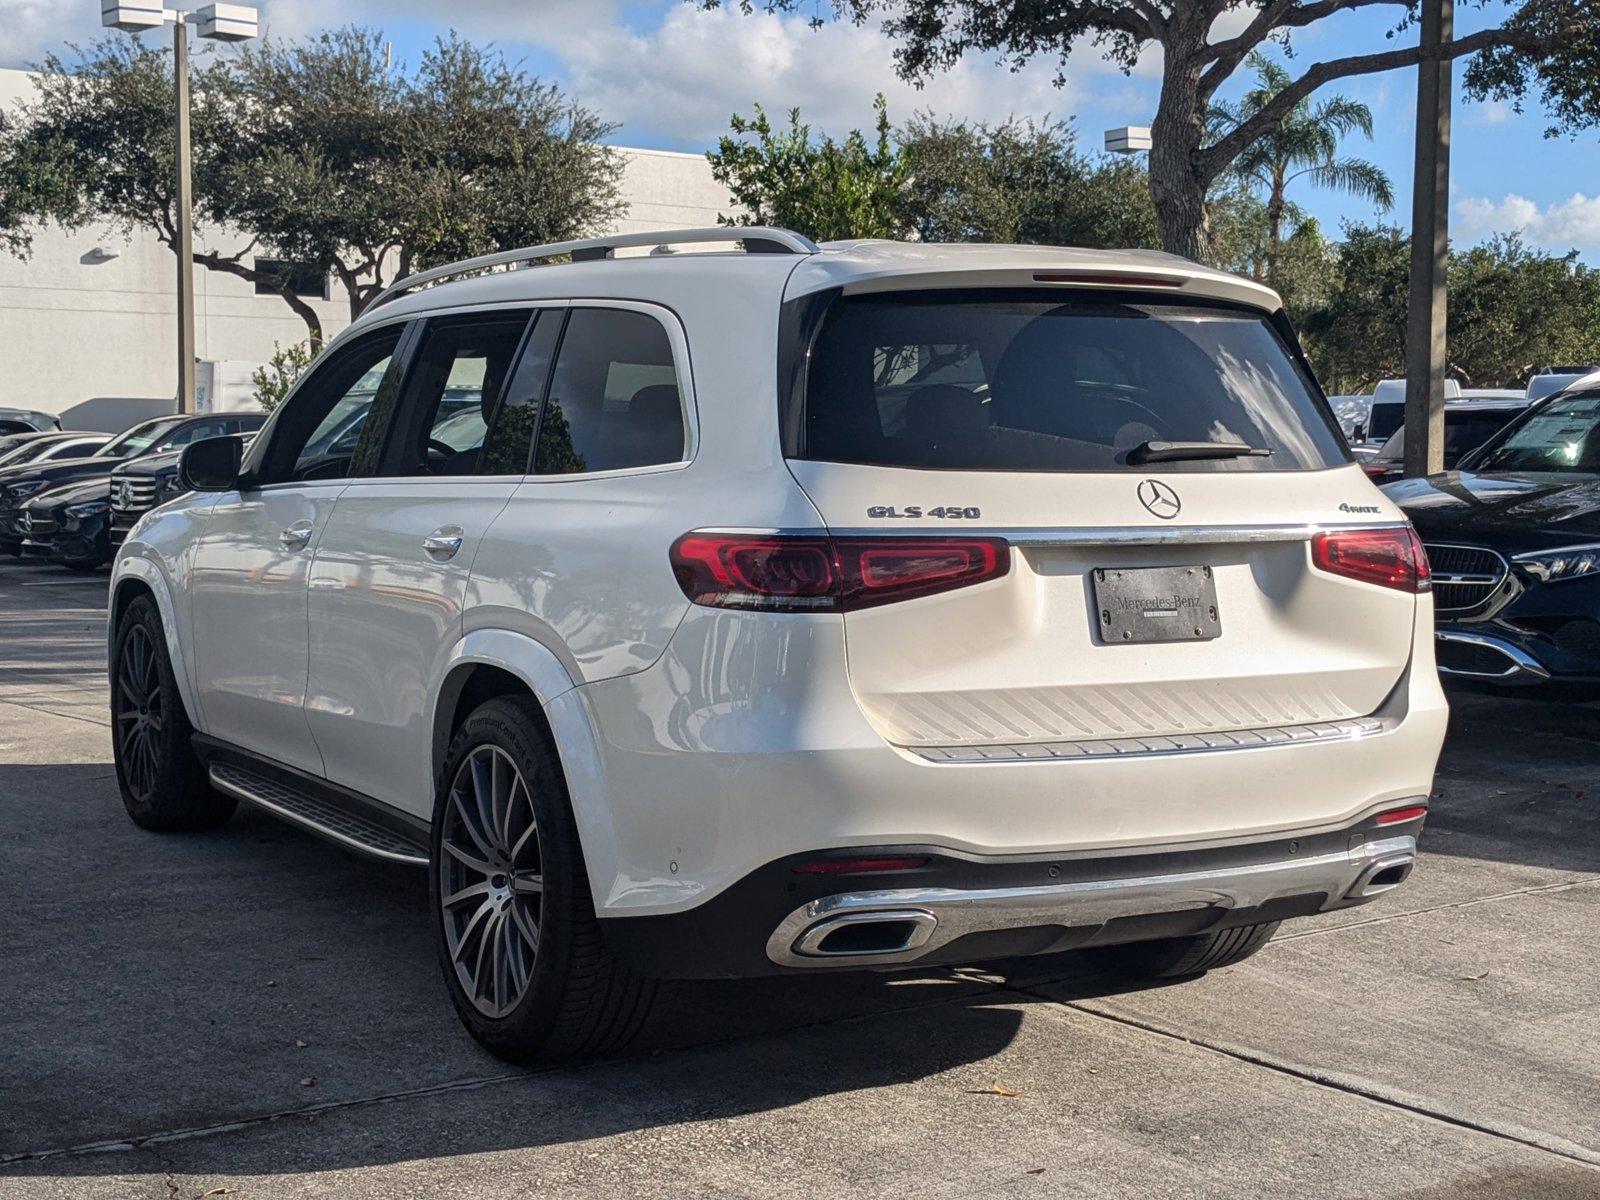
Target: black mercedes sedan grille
134 493
1464 577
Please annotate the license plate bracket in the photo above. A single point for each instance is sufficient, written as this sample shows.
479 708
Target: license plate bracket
1140 605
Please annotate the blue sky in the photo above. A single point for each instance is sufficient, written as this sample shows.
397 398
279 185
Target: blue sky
670 75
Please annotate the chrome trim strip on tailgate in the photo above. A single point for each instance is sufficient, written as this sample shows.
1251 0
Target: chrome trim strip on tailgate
1344 877
1123 535
1177 743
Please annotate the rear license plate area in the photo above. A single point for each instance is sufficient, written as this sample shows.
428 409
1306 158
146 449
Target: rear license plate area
1140 605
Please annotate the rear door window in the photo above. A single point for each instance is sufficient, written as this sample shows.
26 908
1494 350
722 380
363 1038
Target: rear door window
614 400
1027 383
452 389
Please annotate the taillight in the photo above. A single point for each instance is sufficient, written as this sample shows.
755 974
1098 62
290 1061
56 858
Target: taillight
1377 472
809 573
1391 558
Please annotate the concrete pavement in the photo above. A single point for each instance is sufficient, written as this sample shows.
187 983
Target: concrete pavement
257 1011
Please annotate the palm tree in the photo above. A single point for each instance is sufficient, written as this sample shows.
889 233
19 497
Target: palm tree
1305 146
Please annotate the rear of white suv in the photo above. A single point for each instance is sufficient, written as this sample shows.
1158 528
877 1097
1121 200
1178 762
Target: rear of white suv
858 606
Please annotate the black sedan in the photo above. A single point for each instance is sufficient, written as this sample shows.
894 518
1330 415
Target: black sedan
20 484
70 525
1513 539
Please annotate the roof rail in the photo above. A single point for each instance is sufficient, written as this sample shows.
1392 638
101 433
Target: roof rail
757 239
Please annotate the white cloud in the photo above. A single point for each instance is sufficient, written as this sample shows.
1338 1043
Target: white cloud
675 73
31 28
1573 223
682 79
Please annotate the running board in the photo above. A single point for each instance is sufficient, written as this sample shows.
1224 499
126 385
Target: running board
317 815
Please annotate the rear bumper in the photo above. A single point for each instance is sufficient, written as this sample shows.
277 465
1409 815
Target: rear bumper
961 908
741 748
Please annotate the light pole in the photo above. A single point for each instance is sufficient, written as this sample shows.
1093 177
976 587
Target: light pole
1430 248
223 23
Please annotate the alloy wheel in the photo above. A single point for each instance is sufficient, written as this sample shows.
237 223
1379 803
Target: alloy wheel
491 880
140 708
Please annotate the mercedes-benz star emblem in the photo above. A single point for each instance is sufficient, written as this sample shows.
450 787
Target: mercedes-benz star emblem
1160 499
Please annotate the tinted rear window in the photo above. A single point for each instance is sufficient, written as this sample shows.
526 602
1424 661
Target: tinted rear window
1042 384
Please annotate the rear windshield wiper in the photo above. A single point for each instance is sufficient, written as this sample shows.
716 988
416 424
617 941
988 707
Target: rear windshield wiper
1149 452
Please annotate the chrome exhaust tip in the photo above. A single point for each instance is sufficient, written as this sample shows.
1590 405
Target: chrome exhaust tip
867 934
1382 875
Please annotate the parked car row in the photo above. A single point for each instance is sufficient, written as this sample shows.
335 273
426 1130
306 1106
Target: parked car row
26 420
72 497
1513 541
1469 422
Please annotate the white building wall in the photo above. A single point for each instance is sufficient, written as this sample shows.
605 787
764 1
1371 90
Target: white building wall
74 329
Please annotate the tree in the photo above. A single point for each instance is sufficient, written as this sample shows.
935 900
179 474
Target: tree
347 164
95 147
1305 146
825 189
1358 335
1551 45
318 152
1240 239
277 375
1021 181
1512 310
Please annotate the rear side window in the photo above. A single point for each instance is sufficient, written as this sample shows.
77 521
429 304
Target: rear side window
1027 383
614 400
1385 420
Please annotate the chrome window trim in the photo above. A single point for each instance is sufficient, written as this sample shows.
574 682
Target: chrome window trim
1121 535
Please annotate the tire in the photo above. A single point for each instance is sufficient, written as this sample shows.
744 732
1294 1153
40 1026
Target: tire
163 783
1176 958
519 945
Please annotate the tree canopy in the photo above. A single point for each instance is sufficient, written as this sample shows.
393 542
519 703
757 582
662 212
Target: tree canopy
826 189
318 151
1512 310
1546 47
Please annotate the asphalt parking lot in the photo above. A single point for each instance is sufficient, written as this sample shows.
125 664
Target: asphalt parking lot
255 1013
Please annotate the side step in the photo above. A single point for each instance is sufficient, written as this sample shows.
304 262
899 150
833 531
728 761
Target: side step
317 815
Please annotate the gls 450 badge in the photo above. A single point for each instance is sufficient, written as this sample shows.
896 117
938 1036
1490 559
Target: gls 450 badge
911 512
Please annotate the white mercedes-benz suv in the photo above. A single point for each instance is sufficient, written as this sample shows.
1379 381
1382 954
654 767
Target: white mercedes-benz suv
714 604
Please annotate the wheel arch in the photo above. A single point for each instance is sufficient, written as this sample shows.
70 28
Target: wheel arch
488 663
137 577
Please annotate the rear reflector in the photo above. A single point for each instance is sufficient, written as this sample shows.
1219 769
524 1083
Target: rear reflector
858 866
1391 558
1399 816
808 573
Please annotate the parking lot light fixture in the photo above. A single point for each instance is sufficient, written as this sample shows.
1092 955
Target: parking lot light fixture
220 22
1129 139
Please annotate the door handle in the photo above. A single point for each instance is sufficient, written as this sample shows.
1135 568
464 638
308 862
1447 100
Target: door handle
443 542
296 536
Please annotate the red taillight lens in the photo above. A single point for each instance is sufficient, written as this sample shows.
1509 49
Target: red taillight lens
881 570
858 866
1377 472
1391 558
765 571
805 573
1399 816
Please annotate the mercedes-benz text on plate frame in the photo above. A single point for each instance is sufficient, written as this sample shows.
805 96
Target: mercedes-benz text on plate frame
882 596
